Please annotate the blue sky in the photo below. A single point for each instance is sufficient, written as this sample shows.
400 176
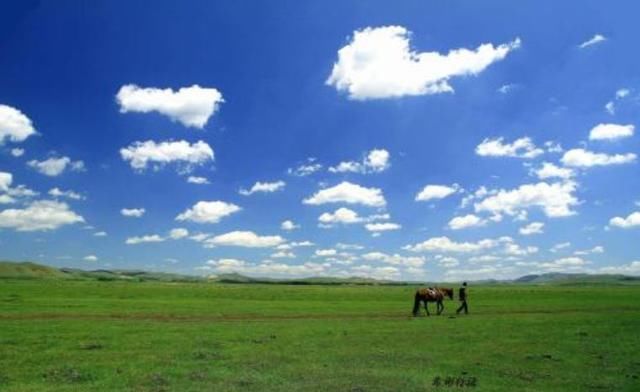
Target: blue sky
441 140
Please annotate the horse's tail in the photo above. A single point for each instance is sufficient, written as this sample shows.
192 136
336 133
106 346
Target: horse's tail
416 304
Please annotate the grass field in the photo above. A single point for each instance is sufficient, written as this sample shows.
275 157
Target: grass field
66 335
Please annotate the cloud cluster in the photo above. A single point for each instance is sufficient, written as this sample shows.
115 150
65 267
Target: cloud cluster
39 215
434 192
520 148
191 106
465 222
141 154
379 63
55 166
246 239
611 131
582 158
132 212
555 200
632 220
349 193
14 125
375 161
263 187
208 212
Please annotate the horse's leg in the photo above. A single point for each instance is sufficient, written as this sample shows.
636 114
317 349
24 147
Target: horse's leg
426 307
416 305
441 307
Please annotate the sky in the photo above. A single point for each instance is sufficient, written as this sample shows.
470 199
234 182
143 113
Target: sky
420 140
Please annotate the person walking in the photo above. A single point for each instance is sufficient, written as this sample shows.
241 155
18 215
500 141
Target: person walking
462 296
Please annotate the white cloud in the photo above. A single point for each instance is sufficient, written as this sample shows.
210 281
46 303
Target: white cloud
57 192
341 215
579 157
91 258
283 255
431 192
592 41
376 161
198 180
520 148
14 125
178 233
565 264
12 194
17 152
144 239
381 273
610 107
325 252
379 63
557 247
532 228
264 187
141 154
467 221
55 166
5 181
305 169
444 244
633 220
549 170
622 93
507 88
100 234
594 250
349 193
341 245
266 268
611 131
632 268
555 200
395 259
208 212
289 225
247 239
378 227
39 215
191 106
448 262
133 212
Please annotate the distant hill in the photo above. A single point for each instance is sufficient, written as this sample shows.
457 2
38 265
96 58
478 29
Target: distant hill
29 270
575 279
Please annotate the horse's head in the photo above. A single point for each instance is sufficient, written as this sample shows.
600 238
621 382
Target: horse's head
449 293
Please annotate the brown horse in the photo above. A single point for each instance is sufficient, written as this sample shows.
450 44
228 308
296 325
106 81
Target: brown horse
436 295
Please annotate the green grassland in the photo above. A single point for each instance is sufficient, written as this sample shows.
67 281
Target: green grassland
88 334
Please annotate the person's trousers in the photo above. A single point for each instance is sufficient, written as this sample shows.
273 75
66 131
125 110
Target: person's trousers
464 307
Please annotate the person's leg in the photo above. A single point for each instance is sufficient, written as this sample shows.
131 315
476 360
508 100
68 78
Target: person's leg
466 308
460 307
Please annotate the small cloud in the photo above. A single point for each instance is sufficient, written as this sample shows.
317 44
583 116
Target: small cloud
91 258
598 38
53 166
263 187
198 180
288 225
191 106
132 212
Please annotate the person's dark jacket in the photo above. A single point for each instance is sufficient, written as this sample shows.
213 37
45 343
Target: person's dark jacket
462 293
